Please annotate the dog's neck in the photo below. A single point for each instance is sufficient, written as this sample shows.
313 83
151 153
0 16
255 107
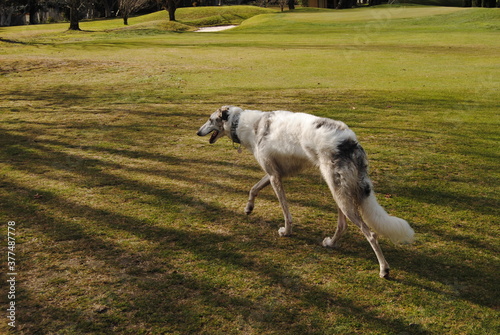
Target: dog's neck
235 120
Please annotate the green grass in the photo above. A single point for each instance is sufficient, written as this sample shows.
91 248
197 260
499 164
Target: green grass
129 223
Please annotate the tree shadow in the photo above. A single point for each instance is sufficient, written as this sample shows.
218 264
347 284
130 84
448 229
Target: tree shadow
158 290
176 294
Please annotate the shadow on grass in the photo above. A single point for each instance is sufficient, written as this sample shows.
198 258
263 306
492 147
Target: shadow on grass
160 294
6 40
153 285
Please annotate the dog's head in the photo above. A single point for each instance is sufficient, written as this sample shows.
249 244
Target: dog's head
217 124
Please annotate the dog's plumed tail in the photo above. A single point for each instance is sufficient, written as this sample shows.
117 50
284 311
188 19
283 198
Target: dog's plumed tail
396 229
354 193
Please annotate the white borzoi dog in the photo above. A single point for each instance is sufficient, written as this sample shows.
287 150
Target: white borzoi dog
285 142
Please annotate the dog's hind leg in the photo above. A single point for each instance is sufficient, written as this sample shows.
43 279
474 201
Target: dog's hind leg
341 229
327 172
352 214
255 191
347 205
372 239
280 193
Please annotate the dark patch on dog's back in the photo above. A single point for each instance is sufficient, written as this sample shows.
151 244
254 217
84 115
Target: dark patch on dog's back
320 123
345 149
350 156
328 124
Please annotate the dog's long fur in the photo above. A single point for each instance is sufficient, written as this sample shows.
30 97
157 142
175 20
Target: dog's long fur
285 142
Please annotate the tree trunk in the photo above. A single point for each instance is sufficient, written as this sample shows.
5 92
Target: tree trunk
171 14
125 19
33 9
345 4
291 4
171 7
107 9
73 15
6 16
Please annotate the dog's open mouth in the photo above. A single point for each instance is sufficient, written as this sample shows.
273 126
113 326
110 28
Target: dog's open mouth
213 138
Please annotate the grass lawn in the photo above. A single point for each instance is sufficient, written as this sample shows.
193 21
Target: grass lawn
128 223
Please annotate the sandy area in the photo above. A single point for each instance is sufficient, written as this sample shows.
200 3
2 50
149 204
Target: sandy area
212 29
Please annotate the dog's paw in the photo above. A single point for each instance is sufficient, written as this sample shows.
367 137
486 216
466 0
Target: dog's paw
328 242
282 232
384 274
249 209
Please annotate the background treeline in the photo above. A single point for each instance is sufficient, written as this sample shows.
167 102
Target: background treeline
19 12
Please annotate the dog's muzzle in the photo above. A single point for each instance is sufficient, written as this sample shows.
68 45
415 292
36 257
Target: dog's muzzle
213 137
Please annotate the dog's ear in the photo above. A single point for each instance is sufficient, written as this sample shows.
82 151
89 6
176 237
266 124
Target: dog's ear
224 113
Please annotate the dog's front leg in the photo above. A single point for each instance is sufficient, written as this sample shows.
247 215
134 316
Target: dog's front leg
255 191
280 193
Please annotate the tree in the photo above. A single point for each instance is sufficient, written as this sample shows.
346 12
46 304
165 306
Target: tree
282 4
74 19
171 6
127 7
109 6
6 15
33 8
346 4
488 3
289 3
